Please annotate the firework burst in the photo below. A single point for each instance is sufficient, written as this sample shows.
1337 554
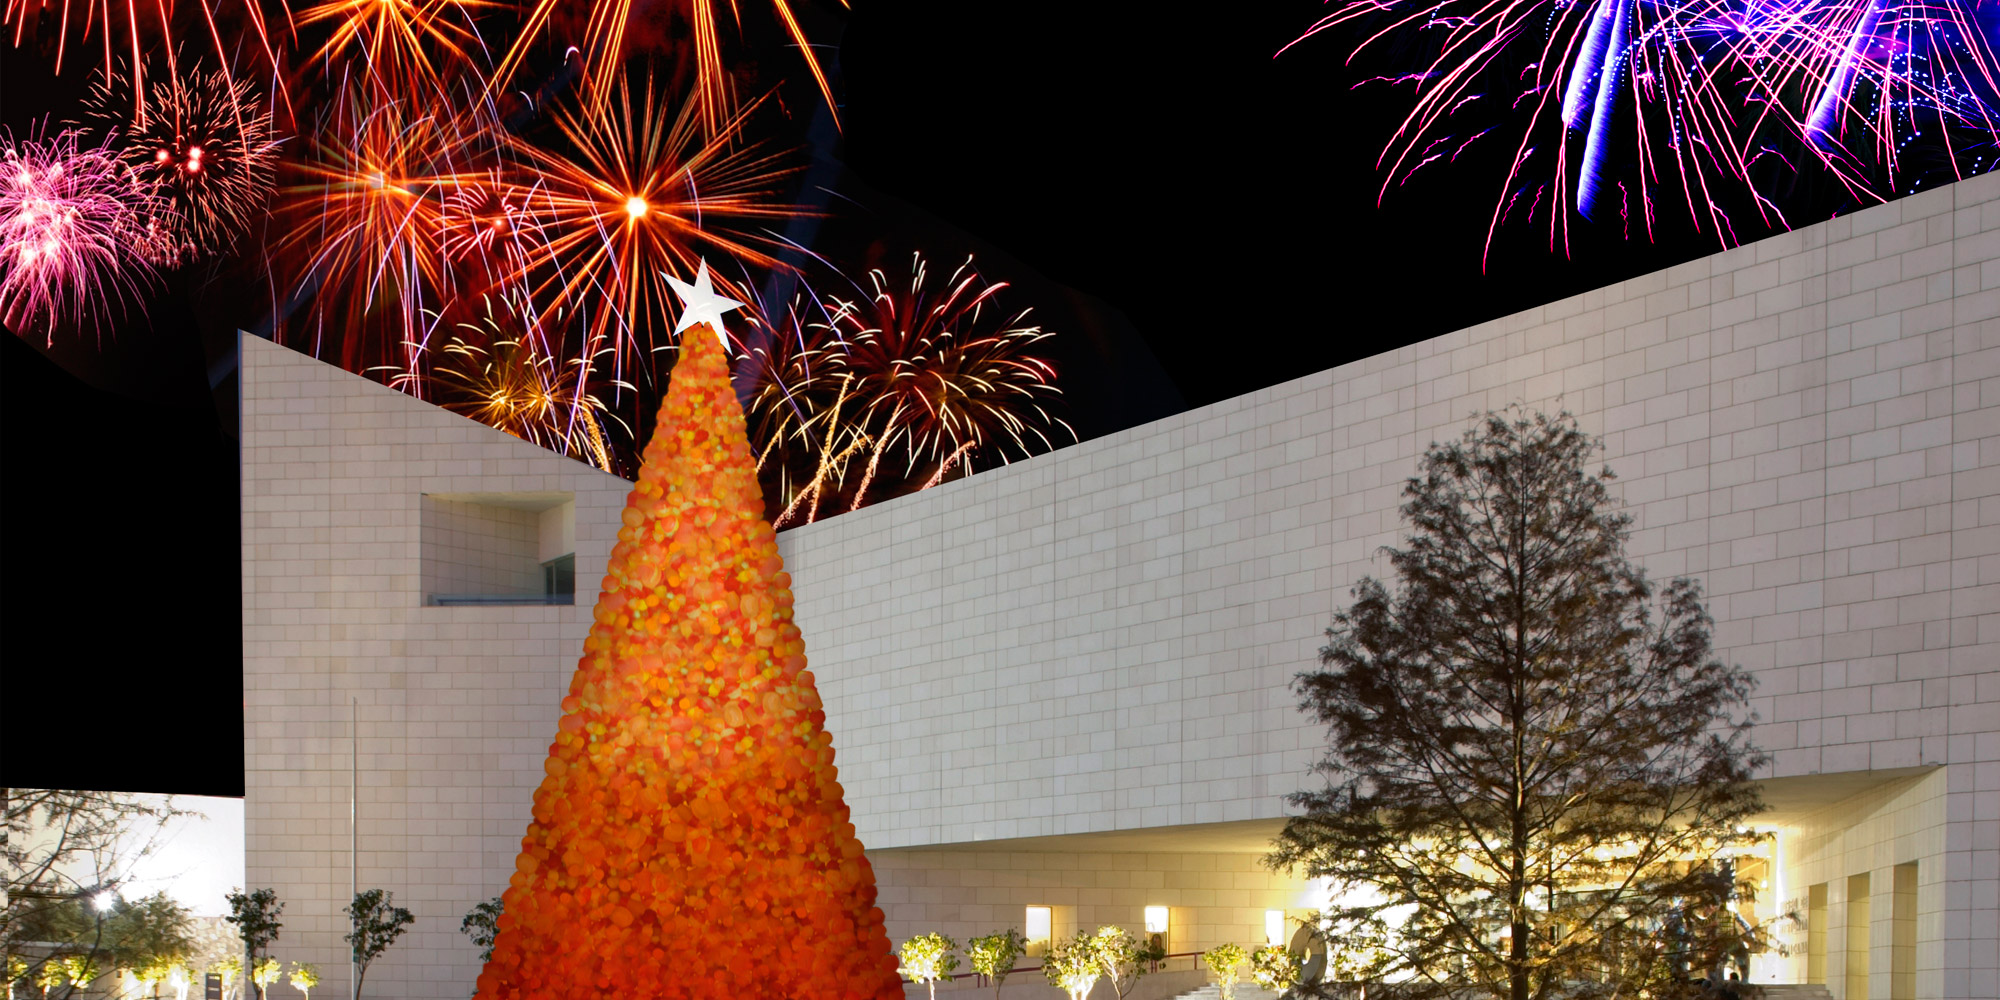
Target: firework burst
495 369
367 225
484 221
1629 104
72 229
941 374
642 198
205 146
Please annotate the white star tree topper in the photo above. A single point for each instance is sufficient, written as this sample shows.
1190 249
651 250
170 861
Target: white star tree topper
700 303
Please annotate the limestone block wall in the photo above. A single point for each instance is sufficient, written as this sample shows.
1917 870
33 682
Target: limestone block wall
455 705
1100 638
1210 897
1895 836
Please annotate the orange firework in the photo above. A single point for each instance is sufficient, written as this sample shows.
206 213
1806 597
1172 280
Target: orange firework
603 42
398 37
641 199
366 221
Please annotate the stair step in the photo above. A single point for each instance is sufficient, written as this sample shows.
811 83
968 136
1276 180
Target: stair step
1244 991
1772 991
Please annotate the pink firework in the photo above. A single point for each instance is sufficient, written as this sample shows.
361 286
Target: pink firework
72 232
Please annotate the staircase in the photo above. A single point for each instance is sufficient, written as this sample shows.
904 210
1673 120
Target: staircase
1772 991
1244 991
1795 991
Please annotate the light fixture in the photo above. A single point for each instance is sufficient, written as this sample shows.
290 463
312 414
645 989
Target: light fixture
1274 927
1041 925
1156 920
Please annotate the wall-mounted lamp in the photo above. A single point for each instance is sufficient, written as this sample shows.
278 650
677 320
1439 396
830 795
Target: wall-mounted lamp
1274 927
1156 920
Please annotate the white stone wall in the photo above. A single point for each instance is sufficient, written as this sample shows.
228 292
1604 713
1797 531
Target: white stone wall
456 705
1902 822
1101 638
1210 897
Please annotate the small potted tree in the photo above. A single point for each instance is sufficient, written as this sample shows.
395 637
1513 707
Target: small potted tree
1120 957
377 925
264 972
927 958
255 915
482 925
304 978
1223 960
1274 967
993 956
1072 966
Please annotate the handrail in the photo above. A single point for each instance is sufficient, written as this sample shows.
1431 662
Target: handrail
472 600
1156 967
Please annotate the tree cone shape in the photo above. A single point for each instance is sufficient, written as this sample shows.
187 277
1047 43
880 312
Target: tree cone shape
689 839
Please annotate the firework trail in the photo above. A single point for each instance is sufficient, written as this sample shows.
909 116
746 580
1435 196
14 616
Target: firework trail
640 199
410 47
603 48
72 231
1690 99
121 25
205 146
942 374
795 394
498 370
367 231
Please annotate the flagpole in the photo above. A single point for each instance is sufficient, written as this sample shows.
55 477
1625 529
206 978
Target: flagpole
353 831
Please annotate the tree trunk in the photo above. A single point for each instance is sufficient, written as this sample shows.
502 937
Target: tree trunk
1517 965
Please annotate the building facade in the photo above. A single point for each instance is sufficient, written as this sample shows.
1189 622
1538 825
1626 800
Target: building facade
1060 690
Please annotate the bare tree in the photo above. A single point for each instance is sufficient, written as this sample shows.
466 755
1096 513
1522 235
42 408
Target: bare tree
1537 767
63 856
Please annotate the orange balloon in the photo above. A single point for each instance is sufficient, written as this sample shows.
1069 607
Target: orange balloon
695 803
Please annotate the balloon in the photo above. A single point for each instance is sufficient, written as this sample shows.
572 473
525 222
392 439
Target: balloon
690 797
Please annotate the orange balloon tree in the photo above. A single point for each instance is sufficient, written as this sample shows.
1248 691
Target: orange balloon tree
690 839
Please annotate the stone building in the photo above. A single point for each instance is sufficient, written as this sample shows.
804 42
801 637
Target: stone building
1058 690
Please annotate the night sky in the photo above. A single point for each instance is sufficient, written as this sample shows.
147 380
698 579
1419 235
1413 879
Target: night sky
1195 218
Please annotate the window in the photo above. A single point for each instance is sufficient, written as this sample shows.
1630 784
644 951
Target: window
1041 927
498 548
559 579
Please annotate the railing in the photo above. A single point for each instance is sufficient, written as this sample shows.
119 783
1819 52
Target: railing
462 600
1151 967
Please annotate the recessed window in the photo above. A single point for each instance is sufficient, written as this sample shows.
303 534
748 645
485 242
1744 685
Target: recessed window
498 548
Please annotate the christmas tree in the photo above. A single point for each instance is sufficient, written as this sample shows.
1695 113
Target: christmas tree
690 838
